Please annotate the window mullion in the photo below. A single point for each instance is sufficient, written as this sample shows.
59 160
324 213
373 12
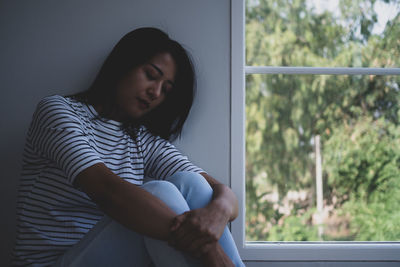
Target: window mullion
321 71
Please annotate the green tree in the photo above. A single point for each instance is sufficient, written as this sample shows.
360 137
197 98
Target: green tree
363 162
285 112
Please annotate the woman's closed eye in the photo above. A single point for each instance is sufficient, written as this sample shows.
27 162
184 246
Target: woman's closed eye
150 75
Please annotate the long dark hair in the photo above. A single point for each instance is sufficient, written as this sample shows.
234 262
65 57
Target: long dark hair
134 49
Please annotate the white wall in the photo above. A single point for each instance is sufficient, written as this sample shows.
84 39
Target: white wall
56 47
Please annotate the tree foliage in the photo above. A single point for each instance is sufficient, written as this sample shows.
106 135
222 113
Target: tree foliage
285 112
363 162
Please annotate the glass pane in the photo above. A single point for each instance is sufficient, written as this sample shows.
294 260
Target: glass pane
323 33
345 189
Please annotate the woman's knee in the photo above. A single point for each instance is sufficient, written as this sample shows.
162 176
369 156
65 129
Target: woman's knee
158 187
194 188
168 193
189 179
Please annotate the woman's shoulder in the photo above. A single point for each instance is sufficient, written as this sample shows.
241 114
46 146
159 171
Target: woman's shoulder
62 102
55 101
55 107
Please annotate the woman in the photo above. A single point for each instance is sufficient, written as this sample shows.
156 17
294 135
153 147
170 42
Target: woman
83 199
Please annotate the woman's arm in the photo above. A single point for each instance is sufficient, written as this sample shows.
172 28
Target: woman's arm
139 210
126 203
197 231
223 198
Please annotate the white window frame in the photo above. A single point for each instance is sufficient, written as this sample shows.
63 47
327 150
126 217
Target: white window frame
284 251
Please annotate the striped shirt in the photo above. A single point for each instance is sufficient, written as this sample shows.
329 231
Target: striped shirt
64 138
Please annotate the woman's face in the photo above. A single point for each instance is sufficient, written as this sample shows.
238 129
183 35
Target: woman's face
146 87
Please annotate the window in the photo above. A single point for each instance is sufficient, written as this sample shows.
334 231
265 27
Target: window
315 151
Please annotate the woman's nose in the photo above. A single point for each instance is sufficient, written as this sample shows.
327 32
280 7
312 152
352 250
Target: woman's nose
155 90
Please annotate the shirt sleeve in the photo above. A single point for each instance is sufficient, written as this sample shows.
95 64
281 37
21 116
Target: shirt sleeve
162 159
56 133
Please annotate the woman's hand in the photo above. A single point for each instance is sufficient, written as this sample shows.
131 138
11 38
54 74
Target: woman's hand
196 231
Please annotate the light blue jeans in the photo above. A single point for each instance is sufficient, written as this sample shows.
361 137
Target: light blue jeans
109 243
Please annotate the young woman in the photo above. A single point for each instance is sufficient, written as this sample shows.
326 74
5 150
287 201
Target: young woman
102 186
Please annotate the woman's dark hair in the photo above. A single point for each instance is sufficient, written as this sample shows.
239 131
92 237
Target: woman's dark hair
134 49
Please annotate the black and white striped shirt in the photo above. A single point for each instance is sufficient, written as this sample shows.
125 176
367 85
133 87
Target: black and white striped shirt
64 138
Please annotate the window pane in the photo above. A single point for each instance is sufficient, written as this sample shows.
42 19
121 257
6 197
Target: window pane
323 33
356 119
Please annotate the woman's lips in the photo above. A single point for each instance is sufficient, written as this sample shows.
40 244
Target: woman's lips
143 103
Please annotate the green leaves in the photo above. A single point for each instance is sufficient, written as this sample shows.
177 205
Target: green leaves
357 118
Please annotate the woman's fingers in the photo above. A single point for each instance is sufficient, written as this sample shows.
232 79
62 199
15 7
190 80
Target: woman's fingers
192 243
196 224
199 246
196 231
182 240
176 223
